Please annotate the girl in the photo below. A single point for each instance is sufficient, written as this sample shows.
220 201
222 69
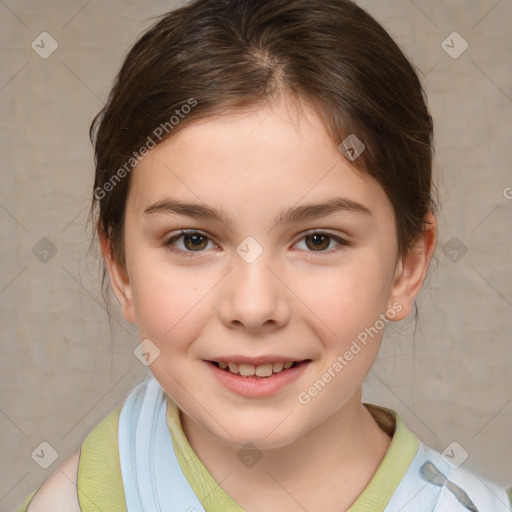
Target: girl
263 200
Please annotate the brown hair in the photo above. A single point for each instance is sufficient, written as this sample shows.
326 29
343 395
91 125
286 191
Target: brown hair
221 55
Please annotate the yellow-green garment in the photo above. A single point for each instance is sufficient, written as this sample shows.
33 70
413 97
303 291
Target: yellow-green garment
100 485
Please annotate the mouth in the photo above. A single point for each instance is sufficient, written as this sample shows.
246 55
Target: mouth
262 370
257 377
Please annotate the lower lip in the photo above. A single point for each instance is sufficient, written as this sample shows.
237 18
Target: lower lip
258 387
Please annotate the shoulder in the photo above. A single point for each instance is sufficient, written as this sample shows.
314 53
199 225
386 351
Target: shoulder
458 483
89 478
100 483
59 492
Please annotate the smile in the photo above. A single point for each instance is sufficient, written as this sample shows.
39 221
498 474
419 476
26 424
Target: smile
257 380
250 370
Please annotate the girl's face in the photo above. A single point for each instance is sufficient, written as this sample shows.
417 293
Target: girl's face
251 283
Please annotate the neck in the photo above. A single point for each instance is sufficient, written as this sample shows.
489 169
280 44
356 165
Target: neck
329 466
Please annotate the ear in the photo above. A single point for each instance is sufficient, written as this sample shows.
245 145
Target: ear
411 270
118 279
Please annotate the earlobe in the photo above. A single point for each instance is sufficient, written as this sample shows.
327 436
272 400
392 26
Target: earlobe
118 279
412 268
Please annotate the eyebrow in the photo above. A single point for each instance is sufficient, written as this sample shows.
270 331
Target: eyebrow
289 216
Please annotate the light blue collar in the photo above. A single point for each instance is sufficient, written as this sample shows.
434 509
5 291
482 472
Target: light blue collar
152 477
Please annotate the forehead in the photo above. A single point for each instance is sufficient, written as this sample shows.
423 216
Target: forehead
273 156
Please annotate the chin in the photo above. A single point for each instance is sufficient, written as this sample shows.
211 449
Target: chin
259 434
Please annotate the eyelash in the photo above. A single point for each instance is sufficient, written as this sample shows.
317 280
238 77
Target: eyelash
315 254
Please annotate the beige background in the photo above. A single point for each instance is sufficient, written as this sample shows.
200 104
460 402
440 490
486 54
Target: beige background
62 371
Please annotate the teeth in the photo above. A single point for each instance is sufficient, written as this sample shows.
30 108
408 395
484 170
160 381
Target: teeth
277 367
248 370
264 370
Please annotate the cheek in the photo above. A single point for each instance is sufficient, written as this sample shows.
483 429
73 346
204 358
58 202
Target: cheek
348 298
167 303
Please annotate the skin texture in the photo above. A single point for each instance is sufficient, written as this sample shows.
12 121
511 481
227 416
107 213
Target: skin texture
59 492
294 300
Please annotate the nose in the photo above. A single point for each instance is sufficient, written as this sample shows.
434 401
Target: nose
254 296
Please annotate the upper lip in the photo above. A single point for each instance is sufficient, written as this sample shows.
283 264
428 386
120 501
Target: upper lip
256 361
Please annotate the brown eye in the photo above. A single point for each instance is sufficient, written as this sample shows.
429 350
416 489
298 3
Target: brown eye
192 241
319 241
195 242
